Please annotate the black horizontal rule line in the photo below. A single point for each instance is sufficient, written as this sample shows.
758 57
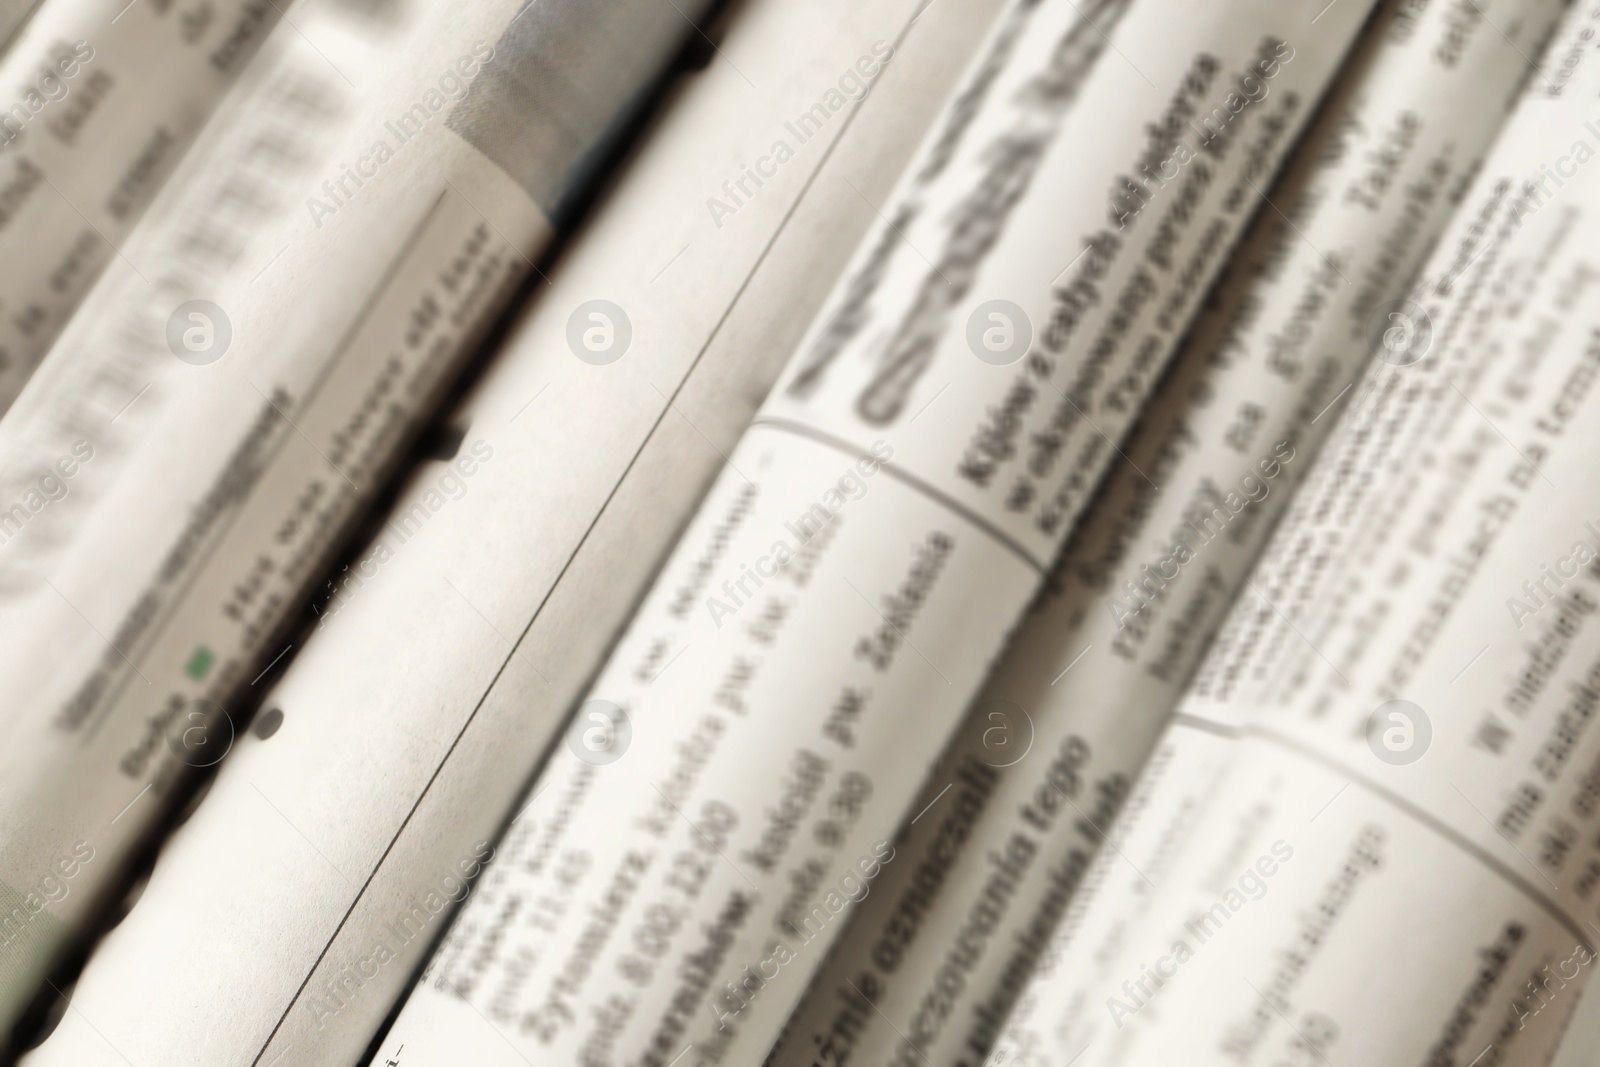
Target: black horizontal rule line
933 493
1455 837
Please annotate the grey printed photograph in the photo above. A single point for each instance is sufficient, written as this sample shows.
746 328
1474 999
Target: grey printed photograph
799 533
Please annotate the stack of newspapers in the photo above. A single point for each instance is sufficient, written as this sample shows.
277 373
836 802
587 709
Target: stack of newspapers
666 533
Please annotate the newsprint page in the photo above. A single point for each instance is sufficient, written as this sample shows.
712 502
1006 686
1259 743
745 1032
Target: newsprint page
799 533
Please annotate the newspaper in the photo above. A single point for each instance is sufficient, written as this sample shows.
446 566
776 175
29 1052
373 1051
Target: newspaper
99 100
13 14
1581 1045
288 110
382 761
876 532
1007 825
1363 861
208 458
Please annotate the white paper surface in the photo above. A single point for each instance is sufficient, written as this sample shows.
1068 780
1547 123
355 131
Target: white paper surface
1024 799
394 756
99 100
848 582
1329 900
226 459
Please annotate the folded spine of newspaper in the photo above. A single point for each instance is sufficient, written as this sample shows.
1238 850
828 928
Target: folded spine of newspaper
930 964
1357 844
218 453
876 533
99 100
388 752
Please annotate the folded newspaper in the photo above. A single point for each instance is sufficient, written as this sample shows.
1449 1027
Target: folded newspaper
1024 798
792 640
1373 763
835 603
583 506
212 448
99 99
